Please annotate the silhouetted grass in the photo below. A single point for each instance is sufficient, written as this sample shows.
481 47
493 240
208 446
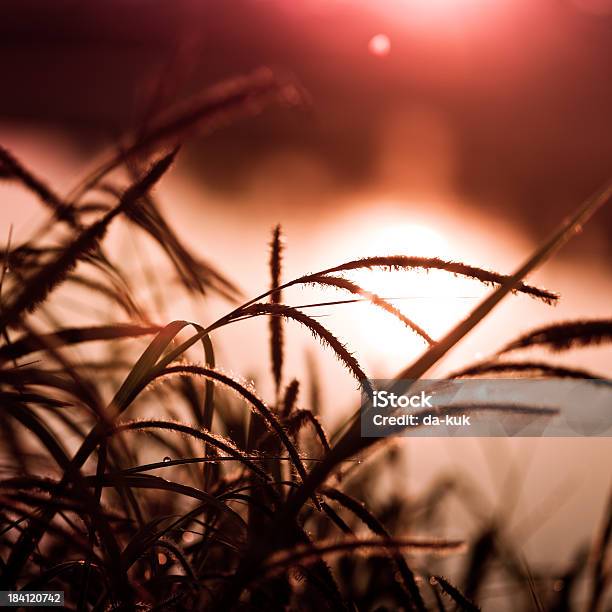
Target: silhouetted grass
242 513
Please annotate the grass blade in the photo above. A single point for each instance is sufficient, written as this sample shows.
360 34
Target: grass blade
563 336
456 595
276 323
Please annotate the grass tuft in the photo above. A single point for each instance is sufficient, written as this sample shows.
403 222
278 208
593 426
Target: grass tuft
222 508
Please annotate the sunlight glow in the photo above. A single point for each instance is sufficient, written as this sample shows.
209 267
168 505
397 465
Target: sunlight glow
435 300
408 238
379 45
428 15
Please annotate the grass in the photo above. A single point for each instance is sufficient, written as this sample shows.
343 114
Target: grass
265 512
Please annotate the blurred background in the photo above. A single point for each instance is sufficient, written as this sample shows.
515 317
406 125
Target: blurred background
465 129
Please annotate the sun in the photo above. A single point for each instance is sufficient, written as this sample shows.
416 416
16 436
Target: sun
415 237
434 300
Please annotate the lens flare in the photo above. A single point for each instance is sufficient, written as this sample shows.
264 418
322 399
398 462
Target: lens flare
379 45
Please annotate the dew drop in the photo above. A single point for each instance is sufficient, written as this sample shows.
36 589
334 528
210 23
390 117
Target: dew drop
166 459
